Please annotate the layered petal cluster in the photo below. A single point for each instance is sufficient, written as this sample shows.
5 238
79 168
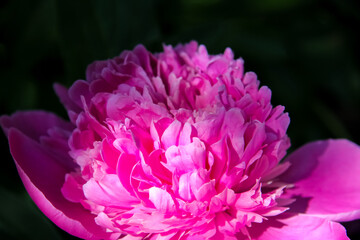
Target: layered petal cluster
180 145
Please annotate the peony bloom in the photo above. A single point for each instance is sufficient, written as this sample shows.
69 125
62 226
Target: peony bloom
180 145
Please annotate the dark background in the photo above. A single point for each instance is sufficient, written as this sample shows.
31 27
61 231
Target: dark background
307 52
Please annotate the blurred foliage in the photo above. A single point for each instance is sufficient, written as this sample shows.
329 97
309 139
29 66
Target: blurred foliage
307 52
22 220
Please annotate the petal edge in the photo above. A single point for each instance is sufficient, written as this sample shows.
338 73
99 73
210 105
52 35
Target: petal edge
326 179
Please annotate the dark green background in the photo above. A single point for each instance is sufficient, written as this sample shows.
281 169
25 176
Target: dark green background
307 52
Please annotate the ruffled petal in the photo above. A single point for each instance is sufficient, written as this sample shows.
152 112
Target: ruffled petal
293 227
326 178
162 200
109 192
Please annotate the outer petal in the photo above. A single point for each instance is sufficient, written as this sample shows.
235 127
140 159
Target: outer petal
33 123
326 175
43 178
45 128
43 175
297 227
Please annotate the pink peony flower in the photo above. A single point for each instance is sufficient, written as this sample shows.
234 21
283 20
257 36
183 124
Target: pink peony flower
180 145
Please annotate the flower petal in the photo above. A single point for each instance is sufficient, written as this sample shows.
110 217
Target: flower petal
33 123
109 192
63 94
162 200
327 180
45 128
297 227
43 178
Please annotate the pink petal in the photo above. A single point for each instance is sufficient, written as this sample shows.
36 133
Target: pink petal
278 121
157 168
209 128
43 178
184 187
129 237
206 191
171 134
185 134
124 169
72 188
217 67
297 227
254 137
109 192
93 71
63 94
80 89
45 128
327 180
109 153
144 58
162 200
34 123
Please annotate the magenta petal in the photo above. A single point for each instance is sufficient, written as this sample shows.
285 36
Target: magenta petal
72 188
63 95
79 89
297 227
108 192
33 123
109 153
124 169
327 180
171 134
45 128
162 200
43 178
